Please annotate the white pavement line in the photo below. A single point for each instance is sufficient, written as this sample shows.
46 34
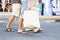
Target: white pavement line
49 21
2 21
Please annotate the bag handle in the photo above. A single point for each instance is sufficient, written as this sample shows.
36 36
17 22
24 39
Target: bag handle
34 9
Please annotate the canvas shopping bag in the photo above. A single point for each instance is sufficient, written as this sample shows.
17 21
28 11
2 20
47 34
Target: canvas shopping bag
31 19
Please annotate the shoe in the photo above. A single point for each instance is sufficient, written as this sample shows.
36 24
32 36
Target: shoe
8 30
28 29
36 30
22 33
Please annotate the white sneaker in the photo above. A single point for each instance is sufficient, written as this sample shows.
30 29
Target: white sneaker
27 29
37 30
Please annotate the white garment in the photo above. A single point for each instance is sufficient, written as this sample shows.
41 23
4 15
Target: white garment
16 9
31 18
34 3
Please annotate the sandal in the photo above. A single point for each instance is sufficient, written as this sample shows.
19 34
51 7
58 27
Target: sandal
22 32
8 30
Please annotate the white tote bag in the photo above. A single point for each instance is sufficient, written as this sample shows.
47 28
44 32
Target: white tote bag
31 19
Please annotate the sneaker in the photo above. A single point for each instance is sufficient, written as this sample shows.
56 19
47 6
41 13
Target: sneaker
28 29
37 30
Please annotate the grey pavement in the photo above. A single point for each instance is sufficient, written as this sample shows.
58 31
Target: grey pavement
51 31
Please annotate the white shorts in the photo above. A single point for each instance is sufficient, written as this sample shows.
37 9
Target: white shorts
16 9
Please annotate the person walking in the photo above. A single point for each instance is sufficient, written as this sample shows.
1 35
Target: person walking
16 12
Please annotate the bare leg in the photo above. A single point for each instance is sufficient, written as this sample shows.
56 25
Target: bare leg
10 21
20 22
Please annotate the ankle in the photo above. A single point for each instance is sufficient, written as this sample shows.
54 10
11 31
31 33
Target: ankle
7 27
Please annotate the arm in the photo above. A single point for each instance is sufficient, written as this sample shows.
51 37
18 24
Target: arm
29 6
28 1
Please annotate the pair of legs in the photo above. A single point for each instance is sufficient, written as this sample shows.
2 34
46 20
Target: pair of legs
20 21
15 13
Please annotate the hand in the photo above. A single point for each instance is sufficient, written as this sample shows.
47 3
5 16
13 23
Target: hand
29 7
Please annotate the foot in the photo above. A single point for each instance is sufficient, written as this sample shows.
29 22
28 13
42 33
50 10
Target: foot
8 30
28 29
22 32
38 30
